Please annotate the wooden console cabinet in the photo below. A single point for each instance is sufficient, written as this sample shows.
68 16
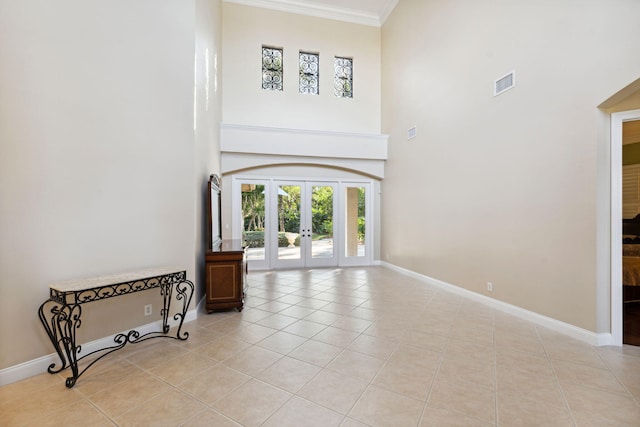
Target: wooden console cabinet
225 275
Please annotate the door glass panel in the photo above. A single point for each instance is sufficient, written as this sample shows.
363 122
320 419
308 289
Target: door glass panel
253 220
355 222
322 222
289 222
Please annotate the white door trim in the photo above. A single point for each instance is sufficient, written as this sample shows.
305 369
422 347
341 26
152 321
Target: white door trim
343 259
236 214
616 221
270 182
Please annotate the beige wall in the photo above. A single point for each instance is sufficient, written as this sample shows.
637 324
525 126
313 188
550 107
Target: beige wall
246 29
504 189
101 170
97 156
208 114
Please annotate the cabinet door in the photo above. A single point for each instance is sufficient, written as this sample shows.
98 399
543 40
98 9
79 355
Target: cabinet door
223 282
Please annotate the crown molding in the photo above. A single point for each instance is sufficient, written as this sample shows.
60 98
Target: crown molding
319 11
384 14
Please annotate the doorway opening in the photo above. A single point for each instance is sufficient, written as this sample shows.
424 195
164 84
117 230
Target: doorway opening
622 261
303 234
300 223
631 232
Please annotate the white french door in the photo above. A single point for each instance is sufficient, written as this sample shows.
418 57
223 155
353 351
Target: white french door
354 227
303 223
252 214
302 235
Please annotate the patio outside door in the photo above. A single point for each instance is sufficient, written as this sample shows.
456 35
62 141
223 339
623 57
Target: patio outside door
299 223
302 235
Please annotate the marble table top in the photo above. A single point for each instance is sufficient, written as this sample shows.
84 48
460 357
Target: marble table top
99 281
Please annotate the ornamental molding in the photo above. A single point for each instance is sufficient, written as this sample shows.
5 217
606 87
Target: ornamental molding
323 11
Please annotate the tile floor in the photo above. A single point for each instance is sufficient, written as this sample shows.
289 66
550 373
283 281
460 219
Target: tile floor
345 347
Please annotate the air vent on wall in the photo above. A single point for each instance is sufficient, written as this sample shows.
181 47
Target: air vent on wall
504 83
411 133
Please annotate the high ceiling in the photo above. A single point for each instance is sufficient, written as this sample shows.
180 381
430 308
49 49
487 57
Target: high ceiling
376 7
367 12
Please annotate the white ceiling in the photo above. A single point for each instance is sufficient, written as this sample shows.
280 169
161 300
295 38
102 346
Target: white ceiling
367 12
376 7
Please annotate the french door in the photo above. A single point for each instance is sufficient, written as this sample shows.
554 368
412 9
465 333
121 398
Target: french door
298 223
356 244
302 235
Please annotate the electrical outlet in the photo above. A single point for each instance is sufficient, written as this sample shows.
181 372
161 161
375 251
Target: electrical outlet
490 286
148 309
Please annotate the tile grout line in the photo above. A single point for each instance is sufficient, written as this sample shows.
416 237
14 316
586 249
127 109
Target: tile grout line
555 376
622 384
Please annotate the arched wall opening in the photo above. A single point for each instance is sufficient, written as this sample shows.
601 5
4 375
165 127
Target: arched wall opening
302 172
270 154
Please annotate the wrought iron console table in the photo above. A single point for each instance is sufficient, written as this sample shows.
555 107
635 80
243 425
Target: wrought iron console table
60 314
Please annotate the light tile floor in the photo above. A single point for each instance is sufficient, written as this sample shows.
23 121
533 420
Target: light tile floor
345 347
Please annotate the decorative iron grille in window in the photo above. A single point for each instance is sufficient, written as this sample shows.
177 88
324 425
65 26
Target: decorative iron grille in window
271 68
309 73
343 82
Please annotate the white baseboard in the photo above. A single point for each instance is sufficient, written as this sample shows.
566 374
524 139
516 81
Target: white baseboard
539 319
199 307
604 338
38 366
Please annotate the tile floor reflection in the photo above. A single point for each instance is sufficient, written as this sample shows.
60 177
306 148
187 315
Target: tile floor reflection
345 347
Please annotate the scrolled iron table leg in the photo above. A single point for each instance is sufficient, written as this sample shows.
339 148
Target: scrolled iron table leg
166 290
61 328
49 322
184 293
